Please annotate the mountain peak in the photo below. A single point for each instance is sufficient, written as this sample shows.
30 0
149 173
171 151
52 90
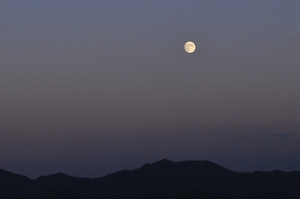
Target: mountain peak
163 161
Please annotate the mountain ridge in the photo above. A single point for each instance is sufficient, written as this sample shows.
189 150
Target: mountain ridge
161 179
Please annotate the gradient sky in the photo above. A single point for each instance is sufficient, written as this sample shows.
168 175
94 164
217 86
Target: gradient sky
91 87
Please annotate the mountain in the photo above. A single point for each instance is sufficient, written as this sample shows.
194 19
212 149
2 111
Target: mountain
162 179
12 185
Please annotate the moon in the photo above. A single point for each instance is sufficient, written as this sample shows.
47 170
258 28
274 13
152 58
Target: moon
189 47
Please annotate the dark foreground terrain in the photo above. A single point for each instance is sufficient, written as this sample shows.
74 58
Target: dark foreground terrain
163 179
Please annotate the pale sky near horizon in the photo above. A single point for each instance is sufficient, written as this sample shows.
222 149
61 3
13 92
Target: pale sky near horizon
91 87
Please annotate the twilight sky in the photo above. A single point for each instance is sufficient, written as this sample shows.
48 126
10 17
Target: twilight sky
91 87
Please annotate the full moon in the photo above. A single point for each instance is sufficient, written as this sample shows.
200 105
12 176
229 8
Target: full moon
189 47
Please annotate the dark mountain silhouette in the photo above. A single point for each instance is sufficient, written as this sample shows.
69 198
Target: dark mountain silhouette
12 185
162 179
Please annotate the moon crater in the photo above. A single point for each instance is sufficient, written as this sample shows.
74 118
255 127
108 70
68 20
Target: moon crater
189 47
